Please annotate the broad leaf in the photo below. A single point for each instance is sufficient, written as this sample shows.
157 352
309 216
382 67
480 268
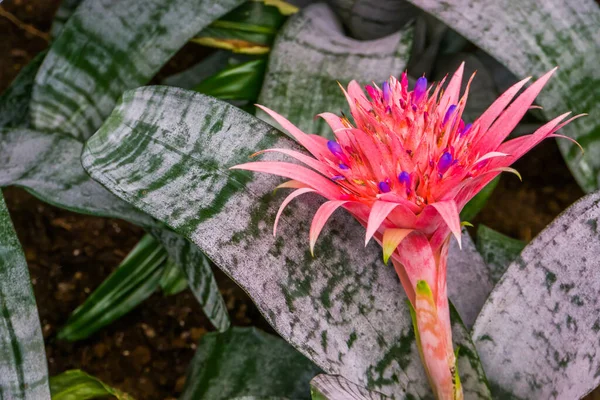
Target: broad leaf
532 38
498 250
200 278
23 370
107 47
49 166
330 387
341 308
538 334
14 102
77 385
249 29
131 283
238 82
312 53
247 362
172 280
64 12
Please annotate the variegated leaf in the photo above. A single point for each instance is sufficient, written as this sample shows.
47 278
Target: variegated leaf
64 12
173 279
23 369
497 250
332 387
107 47
250 363
77 385
167 151
311 54
533 37
538 334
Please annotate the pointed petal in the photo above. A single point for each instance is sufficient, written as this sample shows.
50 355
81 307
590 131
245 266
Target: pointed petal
292 185
356 93
285 202
489 116
452 92
379 212
391 240
303 158
450 215
296 172
489 155
318 222
334 122
301 137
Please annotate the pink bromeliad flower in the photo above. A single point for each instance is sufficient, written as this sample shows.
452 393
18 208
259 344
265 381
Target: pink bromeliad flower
405 169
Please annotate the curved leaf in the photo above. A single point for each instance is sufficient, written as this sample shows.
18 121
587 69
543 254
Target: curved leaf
498 250
173 280
247 362
49 166
330 387
23 369
77 385
64 12
236 82
538 334
132 282
532 38
309 57
107 47
341 308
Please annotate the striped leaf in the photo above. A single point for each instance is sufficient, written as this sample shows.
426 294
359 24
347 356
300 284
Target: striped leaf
64 12
538 334
167 151
173 279
531 38
77 385
498 250
23 370
131 283
107 47
312 53
330 387
247 363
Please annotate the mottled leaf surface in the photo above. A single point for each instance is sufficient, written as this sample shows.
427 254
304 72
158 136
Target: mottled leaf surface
132 282
77 385
311 54
497 250
247 362
168 151
107 47
200 278
23 369
532 37
49 166
538 334
64 12
335 387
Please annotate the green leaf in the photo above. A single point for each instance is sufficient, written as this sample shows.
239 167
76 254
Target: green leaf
106 48
23 370
341 308
538 334
14 102
236 82
173 279
475 205
531 39
249 29
77 385
312 54
498 250
49 166
135 279
198 270
247 362
64 12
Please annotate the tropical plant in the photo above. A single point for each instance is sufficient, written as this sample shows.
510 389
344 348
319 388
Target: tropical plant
164 155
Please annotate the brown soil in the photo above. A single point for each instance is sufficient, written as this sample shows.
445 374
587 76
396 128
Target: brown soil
146 353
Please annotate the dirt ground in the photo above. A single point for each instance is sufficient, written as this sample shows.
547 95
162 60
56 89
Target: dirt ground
146 353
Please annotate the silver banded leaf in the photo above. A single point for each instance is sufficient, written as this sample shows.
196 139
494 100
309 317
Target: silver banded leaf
330 387
64 12
311 54
107 47
49 166
368 20
497 250
23 369
531 37
167 151
200 278
244 362
538 334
